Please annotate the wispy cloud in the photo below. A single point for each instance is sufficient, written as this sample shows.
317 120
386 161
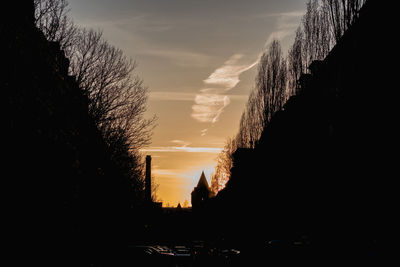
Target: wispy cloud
183 149
185 96
211 100
209 107
141 34
180 58
182 146
286 24
181 143
176 141
294 13
172 96
227 76
167 172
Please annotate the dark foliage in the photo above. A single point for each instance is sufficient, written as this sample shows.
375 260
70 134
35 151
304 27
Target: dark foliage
322 166
66 192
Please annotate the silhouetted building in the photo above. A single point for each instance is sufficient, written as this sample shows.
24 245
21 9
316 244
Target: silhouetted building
303 82
148 179
201 192
148 191
315 66
308 172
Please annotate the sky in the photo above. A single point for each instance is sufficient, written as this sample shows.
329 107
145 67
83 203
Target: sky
198 59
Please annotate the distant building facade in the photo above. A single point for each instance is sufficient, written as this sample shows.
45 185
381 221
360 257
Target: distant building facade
201 192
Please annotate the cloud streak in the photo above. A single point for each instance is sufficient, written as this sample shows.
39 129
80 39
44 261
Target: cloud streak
204 132
180 58
209 107
172 96
213 98
211 101
227 76
183 149
286 24
184 96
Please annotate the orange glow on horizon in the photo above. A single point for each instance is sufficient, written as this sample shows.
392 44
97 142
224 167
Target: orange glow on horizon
177 173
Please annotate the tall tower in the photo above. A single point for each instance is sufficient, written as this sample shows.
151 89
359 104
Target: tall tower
201 192
147 190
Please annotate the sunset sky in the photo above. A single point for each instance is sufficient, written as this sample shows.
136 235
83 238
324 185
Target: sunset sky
198 59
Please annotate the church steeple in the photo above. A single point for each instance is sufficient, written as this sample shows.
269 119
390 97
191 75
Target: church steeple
203 181
201 192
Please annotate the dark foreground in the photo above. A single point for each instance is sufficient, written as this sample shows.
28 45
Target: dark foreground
271 253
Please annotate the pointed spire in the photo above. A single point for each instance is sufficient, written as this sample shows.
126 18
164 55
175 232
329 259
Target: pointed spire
203 181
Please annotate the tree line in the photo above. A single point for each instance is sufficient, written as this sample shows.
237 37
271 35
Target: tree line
74 126
116 95
279 76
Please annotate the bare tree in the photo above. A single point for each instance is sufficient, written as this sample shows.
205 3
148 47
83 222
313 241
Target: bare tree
323 23
117 97
272 73
317 34
268 96
243 136
154 190
313 41
224 165
296 61
51 17
215 185
277 77
252 120
342 14
254 116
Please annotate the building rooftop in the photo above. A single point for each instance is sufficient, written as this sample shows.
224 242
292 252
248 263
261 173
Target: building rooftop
203 181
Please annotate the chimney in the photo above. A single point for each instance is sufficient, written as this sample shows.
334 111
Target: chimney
148 180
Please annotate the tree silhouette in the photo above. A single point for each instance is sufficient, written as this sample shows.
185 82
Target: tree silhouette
318 169
186 203
51 17
296 61
268 96
116 95
117 98
342 14
69 185
224 165
316 30
278 78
